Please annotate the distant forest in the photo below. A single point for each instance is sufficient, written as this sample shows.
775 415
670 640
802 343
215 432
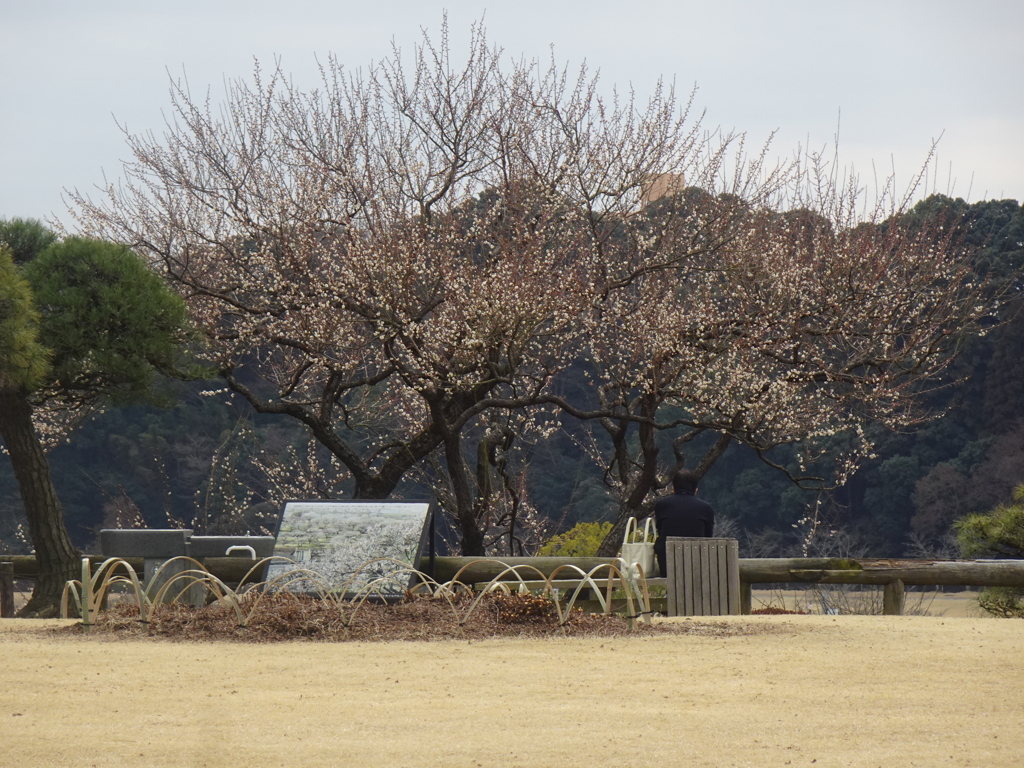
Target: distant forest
212 464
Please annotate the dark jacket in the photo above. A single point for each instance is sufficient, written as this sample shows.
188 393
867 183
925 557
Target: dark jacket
681 514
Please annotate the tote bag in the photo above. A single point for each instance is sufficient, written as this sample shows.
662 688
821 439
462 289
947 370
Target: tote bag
640 552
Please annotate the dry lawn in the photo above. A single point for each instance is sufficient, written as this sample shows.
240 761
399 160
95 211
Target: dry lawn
746 691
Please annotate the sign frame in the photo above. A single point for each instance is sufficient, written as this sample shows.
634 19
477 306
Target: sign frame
426 545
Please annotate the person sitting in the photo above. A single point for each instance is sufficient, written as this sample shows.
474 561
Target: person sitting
681 514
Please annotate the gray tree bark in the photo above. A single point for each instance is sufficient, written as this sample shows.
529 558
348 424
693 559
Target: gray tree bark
57 557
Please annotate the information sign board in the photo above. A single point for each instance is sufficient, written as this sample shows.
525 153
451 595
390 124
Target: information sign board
336 539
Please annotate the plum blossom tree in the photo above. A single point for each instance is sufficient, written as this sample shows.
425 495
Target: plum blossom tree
404 256
797 327
384 257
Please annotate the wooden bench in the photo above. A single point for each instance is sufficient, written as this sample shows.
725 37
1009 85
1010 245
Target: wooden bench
703 576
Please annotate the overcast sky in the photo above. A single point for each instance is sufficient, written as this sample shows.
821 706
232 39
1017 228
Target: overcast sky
899 74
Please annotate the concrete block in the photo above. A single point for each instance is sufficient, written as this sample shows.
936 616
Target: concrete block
144 542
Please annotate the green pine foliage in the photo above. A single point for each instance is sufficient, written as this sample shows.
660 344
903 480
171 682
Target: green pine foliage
999 533
25 238
111 322
23 360
84 323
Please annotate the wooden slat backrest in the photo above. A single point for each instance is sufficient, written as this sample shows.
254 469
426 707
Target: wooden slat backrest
703 576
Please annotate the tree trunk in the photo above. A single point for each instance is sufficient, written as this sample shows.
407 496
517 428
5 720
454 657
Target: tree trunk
644 483
612 543
57 556
465 509
638 485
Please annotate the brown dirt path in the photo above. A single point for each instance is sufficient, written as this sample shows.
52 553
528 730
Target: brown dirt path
788 690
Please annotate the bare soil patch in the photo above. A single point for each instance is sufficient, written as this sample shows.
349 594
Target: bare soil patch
286 617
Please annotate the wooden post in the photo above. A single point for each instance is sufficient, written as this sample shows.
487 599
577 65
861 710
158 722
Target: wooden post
893 598
6 590
746 599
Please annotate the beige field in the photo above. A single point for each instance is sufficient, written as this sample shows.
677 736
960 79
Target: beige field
786 690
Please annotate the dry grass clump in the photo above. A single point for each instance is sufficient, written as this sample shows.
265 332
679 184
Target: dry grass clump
771 610
288 616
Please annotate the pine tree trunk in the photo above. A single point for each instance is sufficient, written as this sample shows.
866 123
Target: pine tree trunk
57 556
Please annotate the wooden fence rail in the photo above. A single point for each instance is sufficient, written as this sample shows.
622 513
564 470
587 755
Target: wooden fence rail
893 574
228 569
965 573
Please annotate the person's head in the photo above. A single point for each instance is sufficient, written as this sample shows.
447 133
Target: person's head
685 481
